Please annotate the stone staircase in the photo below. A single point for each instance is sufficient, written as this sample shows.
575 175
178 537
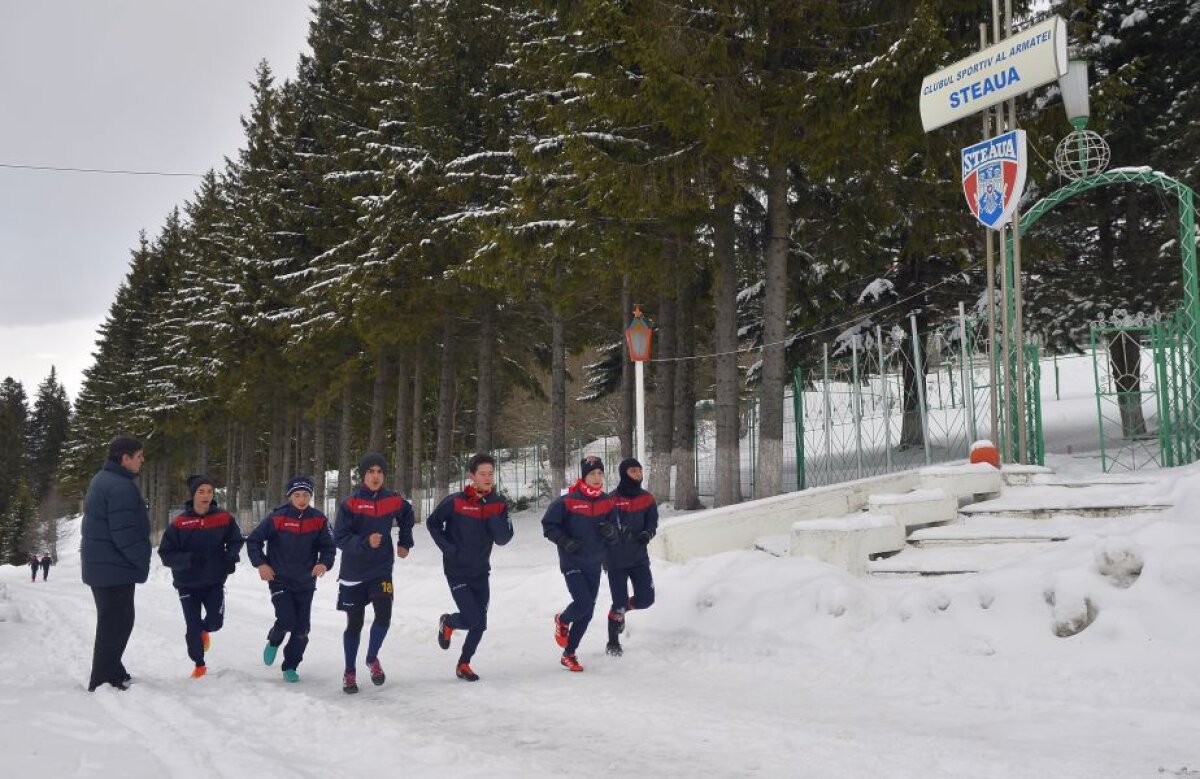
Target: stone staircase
1035 511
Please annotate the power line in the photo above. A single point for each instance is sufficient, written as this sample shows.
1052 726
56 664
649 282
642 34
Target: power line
818 331
111 171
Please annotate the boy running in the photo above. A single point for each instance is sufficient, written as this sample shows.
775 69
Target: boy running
464 526
299 550
363 532
627 560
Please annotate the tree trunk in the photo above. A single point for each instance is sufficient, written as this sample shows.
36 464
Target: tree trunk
663 420
769 472
202 455
378 395
628 412
287 444
319 425
401 444
418 445
728 477
445 418
274 458
684 417
484 417
304 447
345 457
912 371
558 402
1125 359
231 482
246 454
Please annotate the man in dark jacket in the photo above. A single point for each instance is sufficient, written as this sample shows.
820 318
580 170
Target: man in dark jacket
115 556
298 550
363 532
627 560
201 548
33 564
46 563
582 523
465 525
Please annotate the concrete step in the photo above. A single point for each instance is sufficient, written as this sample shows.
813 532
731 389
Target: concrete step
949 561
972 531
1098 500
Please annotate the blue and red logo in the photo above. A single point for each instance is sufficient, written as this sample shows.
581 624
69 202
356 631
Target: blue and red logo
993 176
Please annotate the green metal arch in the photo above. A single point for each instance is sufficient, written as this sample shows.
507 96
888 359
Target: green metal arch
1190 311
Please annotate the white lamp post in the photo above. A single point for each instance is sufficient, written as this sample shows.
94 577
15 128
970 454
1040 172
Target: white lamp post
637 338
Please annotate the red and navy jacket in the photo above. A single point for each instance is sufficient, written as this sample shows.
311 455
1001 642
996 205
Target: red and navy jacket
199 548
638 512
579 516
363 513
464 526
295 542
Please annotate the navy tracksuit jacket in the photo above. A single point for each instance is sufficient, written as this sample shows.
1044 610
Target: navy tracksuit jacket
295 542
637 513
363 513
200 549
577 516
464 526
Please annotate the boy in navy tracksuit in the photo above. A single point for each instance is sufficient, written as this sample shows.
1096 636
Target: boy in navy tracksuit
465 525
582 523
33 566
364 534
299 550
201 548
627 560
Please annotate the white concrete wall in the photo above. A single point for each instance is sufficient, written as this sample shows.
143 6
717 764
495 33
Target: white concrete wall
736 527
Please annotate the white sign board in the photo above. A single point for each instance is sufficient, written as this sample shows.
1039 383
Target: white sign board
1015 65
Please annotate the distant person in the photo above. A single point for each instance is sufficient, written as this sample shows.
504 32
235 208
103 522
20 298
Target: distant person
46 563
627 560
363 532
201 547
33 564
582 523
292 548
115 556
465 525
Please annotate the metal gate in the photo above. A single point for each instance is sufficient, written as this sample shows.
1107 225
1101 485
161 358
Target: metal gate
1145 391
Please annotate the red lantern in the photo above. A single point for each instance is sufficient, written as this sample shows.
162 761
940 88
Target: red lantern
638 336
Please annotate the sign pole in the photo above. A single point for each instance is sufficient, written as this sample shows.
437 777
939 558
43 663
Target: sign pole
1015 289
991 286
639 377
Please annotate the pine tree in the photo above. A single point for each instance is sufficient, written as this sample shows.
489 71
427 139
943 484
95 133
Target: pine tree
47 434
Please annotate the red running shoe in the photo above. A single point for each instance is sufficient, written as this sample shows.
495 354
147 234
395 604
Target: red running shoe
464 672
570 663
377 675
444 631
205 640
562 631
199 671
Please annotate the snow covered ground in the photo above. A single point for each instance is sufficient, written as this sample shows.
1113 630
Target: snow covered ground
749 665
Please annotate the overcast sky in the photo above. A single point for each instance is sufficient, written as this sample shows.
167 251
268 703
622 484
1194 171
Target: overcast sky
147 85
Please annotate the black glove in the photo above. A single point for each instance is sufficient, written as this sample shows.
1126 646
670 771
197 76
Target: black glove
608 531
570 545
644 537
230 566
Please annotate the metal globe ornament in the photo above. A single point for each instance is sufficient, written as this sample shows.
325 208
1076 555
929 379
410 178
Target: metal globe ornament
1081 154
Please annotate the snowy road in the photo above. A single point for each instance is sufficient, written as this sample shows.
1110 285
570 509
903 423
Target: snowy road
741 669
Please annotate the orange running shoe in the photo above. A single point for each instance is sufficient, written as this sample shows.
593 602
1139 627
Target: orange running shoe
199 671
206 640
464 672
562 631
570 663
444 631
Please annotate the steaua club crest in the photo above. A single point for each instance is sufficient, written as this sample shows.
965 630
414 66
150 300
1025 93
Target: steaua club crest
993 176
